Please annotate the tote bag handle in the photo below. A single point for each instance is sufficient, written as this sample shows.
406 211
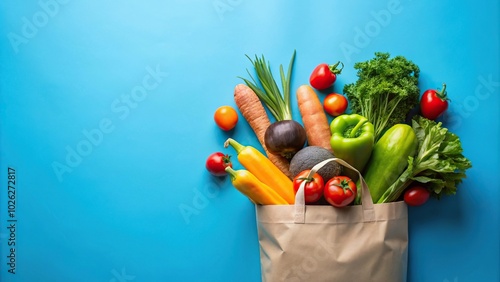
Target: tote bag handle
366 198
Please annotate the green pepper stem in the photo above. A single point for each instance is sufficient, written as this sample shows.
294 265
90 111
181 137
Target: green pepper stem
333 68
442 94
237 146
360 123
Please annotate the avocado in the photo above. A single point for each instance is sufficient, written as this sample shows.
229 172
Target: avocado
310 156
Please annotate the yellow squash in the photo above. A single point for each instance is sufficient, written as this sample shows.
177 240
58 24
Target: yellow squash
254 189
262 168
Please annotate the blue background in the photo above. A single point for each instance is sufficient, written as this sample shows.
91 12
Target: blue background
137 204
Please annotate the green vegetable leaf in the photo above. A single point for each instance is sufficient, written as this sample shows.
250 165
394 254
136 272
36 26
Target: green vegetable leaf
267 89
438 163
385 92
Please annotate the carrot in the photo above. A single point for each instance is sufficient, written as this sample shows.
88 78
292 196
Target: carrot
314 118
253 111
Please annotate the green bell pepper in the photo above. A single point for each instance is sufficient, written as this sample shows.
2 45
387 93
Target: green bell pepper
352 139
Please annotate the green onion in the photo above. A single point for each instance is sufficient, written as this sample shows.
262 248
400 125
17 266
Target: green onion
269 92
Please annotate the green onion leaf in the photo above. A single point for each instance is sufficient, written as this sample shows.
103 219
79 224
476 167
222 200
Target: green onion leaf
266 88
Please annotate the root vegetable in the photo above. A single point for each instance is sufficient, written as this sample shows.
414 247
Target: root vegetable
285 137
313 117
254 113
278 103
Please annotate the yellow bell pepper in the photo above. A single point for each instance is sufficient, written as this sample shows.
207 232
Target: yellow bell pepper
253 188
265 171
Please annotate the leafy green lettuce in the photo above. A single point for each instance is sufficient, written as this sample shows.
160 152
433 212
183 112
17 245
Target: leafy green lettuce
438 163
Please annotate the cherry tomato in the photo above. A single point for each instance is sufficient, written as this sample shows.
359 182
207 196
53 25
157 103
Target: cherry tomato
324 75
313 188
226 117
340 191
217 162
335 104
416 196
434 103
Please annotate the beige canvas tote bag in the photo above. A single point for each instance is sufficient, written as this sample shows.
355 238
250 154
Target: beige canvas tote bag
359 243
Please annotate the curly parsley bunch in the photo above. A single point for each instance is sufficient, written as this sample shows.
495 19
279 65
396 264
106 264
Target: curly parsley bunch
385 92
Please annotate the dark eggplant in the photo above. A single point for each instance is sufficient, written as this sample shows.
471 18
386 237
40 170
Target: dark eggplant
285 138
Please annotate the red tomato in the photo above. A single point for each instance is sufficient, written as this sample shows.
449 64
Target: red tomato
340 191
335 104
226 117
313 188
324 75
217 162
434 103
416 196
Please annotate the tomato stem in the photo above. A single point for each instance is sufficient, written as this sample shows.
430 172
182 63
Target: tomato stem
344 184
306 179
226 159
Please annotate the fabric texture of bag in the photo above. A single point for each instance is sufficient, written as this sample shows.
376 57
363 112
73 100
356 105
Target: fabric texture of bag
362 243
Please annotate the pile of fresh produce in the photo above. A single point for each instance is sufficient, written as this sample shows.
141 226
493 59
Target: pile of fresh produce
381 126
